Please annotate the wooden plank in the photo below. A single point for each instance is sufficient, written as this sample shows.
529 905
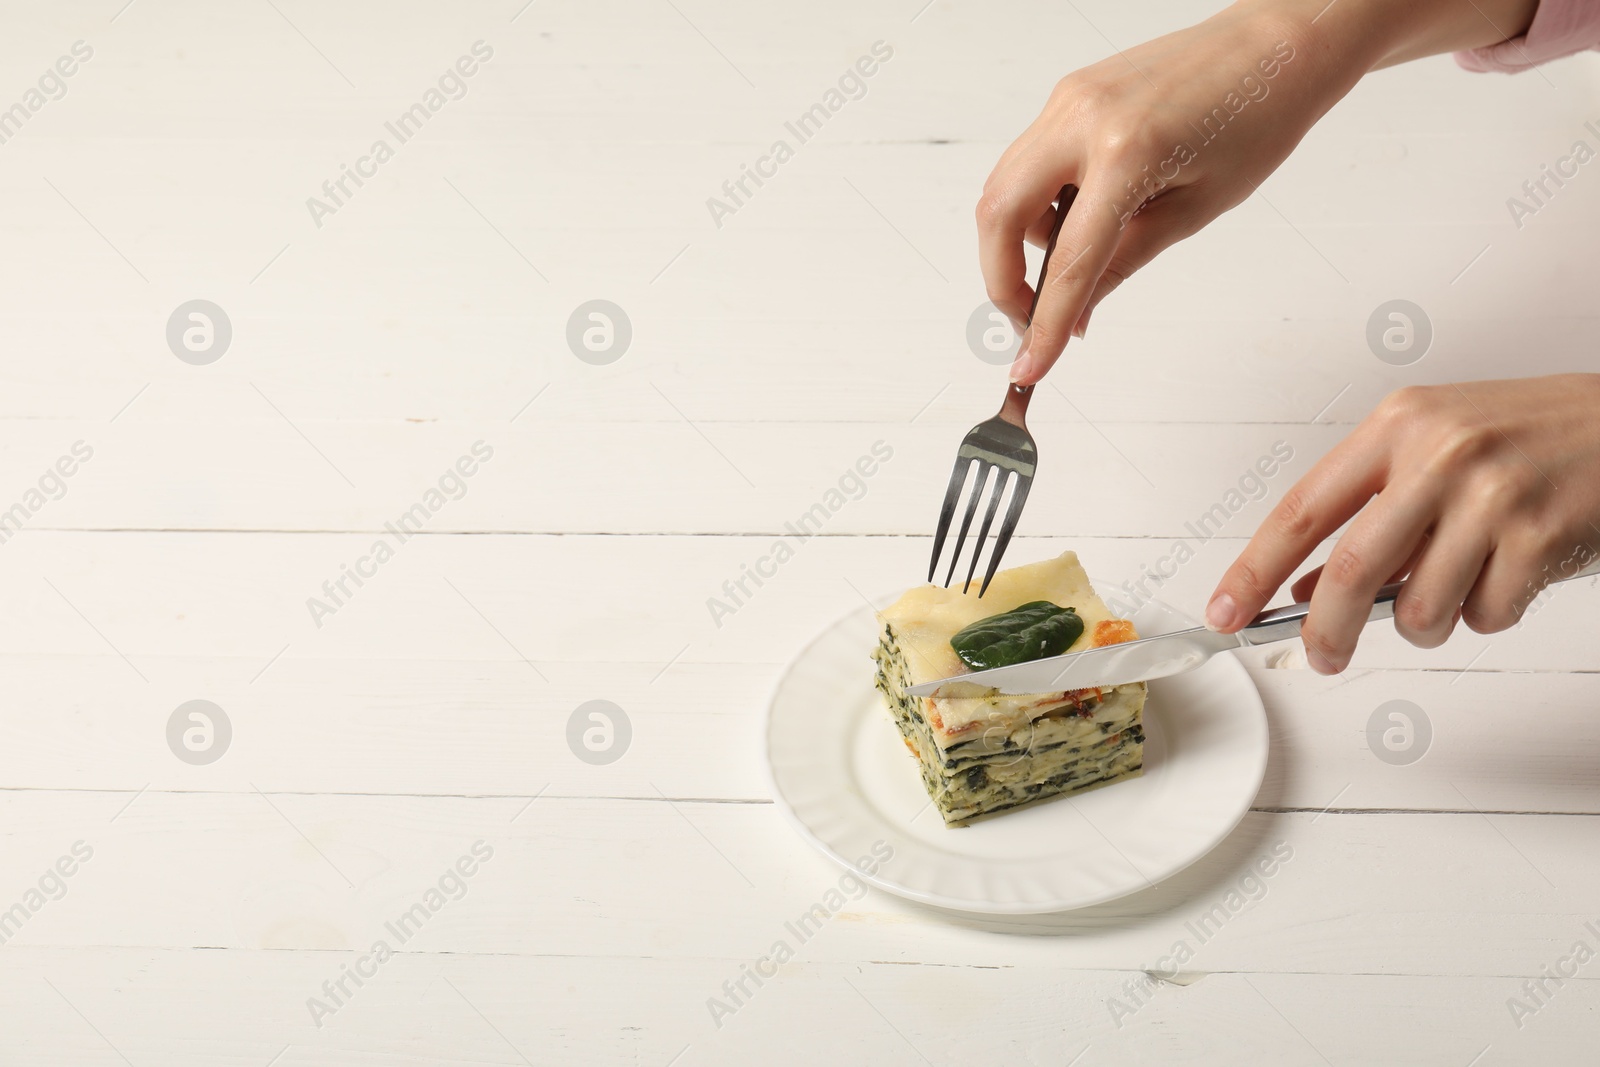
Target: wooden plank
492 728
240 1009
587 602
665 476
1350 893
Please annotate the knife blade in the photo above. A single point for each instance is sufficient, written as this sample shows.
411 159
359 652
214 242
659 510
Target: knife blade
1157 657
1131 661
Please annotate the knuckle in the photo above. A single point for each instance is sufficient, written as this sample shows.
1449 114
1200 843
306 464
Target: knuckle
1115 145
1314 638
1405 405
1458 444
1347 567
1002 299
1248 575
1085 95
991 210
1114 275
1498 490
1127 148
1495 606
1071 276
1416 617
1046 338
1294 515
1483 619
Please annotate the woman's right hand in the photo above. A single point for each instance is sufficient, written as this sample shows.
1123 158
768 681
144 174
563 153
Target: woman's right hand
1159 141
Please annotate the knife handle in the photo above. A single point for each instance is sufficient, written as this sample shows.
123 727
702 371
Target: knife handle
1281 624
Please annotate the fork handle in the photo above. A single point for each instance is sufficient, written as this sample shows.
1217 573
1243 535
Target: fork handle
1015 408
1064 200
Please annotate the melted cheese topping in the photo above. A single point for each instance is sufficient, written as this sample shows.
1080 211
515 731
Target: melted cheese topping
927 617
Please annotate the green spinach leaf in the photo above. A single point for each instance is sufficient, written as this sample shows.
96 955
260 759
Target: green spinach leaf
1032 631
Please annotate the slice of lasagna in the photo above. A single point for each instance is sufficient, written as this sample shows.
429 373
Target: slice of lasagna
982 751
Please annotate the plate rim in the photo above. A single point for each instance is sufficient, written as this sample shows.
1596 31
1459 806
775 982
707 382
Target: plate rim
972 907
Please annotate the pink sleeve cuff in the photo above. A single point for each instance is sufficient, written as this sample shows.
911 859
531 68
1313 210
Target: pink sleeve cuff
1560 28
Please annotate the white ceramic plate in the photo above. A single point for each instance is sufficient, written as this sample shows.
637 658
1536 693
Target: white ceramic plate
844 777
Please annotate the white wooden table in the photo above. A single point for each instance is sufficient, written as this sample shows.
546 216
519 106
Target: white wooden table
377 741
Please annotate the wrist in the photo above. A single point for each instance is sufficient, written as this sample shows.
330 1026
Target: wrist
1357 36
1331 54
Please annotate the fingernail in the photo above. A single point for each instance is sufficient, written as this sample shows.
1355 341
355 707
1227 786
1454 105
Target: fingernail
1319 662
1221 612
1022 366
1077 331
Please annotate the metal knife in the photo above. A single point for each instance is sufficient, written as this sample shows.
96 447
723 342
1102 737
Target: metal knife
1160 656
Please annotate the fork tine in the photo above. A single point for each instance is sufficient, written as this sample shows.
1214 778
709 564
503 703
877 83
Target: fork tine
1001 477
958 478
984 466
1007 526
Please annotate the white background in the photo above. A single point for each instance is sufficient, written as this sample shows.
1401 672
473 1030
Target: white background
827 313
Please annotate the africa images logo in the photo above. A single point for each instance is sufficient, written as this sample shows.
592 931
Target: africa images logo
851 485
851 85
451 85
451 885
451 485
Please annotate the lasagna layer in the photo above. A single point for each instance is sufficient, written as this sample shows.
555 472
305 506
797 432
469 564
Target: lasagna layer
983 752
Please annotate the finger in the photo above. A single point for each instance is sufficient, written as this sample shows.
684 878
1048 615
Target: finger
1039 229
1306 584
1086 244
1498 597
1429 605
1318 504
1377 545
1082 329
1025 141
1038 235
1010 204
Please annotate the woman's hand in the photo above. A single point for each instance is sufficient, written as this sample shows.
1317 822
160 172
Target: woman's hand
1162 139
1481 492
1159 142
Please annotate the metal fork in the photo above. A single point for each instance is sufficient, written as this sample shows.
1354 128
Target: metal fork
1001 444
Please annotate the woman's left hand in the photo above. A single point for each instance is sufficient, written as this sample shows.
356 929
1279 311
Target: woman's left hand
1481 493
